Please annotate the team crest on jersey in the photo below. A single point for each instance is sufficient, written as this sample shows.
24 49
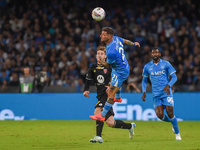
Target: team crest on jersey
105 71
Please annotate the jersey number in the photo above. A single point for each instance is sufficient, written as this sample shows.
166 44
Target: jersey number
121 50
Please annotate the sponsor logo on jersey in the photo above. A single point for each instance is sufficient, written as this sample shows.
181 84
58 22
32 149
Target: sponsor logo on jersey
157 73
100 79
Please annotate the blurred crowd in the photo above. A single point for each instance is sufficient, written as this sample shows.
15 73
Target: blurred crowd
60 37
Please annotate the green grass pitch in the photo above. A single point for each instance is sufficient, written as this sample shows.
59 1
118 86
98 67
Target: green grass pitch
69 135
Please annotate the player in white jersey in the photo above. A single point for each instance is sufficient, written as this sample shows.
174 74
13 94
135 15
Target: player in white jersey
159 71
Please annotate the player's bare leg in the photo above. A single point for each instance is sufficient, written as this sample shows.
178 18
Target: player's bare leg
159 112
121 125
174 122
111 93
170 111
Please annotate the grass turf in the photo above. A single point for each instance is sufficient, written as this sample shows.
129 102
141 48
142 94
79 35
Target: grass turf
67 135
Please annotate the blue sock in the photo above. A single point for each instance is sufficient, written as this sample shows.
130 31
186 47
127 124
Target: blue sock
106 109
118 94
175 124
166 118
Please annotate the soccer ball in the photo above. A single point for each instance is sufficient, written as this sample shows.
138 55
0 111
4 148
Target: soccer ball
98 14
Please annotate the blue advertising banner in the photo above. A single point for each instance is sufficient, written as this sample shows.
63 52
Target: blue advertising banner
74 106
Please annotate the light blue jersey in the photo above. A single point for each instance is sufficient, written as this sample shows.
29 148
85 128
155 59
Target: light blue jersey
159 76
116 57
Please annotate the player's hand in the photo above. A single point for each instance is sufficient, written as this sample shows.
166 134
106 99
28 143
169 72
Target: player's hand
100 59
107 88
167 90
144 96
86 93
136 44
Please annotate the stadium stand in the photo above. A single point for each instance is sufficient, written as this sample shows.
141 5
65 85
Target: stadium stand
60 38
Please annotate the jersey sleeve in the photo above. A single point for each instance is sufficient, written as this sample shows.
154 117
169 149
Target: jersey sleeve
121 40
90 74
170 68
145 72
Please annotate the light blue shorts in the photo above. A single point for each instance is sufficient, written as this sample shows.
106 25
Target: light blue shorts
117 80
165 101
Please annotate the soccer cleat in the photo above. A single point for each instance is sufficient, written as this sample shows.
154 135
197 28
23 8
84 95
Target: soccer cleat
97 117
96 139
118 100
178 136
131 130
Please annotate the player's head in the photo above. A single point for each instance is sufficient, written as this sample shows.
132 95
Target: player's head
101 53
155 53
107 34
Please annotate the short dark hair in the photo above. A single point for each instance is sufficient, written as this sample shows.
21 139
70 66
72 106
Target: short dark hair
109 30
156 49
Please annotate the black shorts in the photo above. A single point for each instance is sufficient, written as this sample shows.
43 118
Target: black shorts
101 102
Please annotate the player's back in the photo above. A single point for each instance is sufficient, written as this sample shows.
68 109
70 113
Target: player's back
116 56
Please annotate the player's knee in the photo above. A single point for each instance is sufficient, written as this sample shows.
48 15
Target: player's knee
110 123
159 115
170 114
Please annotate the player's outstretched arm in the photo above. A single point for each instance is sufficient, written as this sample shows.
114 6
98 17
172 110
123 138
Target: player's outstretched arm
144 86
128 42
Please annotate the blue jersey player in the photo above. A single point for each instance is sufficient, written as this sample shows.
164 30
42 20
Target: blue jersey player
159 72
120 68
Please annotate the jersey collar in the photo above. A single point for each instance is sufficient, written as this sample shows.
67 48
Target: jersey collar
99 65
108 46
158 62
